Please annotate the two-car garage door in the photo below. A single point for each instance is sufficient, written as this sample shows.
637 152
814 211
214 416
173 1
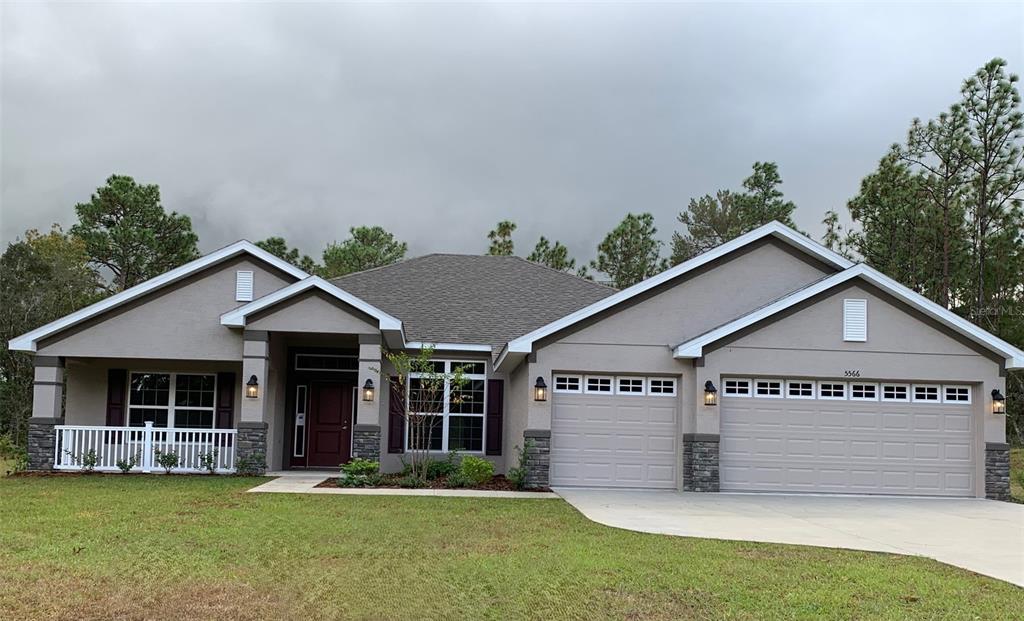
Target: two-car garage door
846 437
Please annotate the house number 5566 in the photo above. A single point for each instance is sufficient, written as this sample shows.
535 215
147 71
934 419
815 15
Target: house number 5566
852 373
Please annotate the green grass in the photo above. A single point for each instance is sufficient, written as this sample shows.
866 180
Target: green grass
1017 474
199 547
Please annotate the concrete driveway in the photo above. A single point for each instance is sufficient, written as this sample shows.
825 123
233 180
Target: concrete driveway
983 536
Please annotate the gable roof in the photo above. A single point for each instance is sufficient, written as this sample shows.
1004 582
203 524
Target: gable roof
29 340
480 300
694 348
524 344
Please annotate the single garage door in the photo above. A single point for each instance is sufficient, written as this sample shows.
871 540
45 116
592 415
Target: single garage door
609 431
846 437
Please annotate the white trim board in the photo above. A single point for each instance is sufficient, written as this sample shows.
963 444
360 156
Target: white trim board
694 348
524 344
30 340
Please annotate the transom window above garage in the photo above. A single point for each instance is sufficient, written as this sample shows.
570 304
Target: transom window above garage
629 385
926 393
956 394
568 383
768 388
597 384
832 390
895 392
863 392
665 386
736 387
799 390
846 390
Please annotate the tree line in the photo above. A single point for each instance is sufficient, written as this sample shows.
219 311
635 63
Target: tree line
941 214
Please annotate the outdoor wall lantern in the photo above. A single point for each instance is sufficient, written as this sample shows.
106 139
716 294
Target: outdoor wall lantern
710 394
252 388
540 390
998 402
368 390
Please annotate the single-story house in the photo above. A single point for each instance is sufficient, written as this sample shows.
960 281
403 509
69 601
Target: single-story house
769 363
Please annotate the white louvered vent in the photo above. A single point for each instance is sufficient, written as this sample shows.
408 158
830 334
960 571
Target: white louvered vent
243 286
855 320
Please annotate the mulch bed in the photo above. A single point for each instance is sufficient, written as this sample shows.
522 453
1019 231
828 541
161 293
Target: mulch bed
497 484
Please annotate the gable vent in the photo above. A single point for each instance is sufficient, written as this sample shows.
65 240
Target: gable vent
243 286
855 320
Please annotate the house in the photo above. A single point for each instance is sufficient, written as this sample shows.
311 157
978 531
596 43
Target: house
769 363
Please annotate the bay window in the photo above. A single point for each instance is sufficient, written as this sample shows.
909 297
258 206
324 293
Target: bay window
453 415
172 400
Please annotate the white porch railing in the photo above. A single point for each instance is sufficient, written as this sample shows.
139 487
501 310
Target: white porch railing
77 445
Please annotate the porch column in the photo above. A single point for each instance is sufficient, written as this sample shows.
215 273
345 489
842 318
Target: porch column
251 450
47 412
366 438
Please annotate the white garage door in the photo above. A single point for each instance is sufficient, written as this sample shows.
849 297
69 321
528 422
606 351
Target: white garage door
846 437
614 431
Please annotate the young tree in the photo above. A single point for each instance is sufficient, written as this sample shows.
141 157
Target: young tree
422 384
709 221
554 256
42 278
501 239
833 237
630 253
127 231
278 247
761 200
367 248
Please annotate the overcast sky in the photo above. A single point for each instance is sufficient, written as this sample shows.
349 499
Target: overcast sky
437 121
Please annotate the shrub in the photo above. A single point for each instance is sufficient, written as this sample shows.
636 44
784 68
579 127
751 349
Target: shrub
209 461
1020 477
15 456
251 465
87 460
458 479
360 473
517 475
167 460
476 470
411 482
375 479
126 465
437 469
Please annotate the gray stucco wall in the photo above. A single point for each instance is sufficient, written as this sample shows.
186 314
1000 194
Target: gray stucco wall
313 311
179 322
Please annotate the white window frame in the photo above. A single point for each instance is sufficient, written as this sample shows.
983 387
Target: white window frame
957 387
905 387
814 389
850 386
846 391
782 388
170 407
630 378
611 385
446 414
579 383
668 382
938 393
316 355
725 387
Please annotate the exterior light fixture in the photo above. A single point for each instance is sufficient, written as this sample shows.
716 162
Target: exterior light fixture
368 390
998 402
252 388
540 390
710 394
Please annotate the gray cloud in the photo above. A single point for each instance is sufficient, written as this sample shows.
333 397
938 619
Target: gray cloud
437 121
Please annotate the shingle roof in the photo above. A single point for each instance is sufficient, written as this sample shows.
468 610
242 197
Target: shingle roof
479 299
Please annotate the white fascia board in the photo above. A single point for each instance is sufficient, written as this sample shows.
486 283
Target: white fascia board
1014 356
449 346
524 344
236 318
29 340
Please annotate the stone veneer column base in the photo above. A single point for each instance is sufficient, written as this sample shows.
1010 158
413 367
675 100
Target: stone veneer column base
700 462
997 471
41 442
251 449
366 442
538 457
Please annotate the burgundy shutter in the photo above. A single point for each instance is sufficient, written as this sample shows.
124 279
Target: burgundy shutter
396 419
225 400
117 384
495 415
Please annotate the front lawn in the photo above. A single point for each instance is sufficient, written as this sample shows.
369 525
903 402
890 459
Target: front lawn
198 547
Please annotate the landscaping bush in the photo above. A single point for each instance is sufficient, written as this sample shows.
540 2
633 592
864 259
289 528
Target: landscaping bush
517 474
87 460
126 465
209 461
167 460
476 470
411 482
457 479
251 465
360 473
15 457
441 468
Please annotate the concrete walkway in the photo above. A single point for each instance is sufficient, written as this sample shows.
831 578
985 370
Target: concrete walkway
983 536
305 482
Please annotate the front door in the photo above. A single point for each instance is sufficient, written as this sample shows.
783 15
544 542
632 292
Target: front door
330 424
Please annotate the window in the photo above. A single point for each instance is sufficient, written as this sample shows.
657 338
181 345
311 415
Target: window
243 286
800 390
855 320
455 413
768 388
832 390
926 393
299 442
864 392
629 385
568 383
736 387
174 400
662 386
326 362
956 394
599 384
895 392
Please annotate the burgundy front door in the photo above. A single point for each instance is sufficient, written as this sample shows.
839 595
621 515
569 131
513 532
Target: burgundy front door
330 424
